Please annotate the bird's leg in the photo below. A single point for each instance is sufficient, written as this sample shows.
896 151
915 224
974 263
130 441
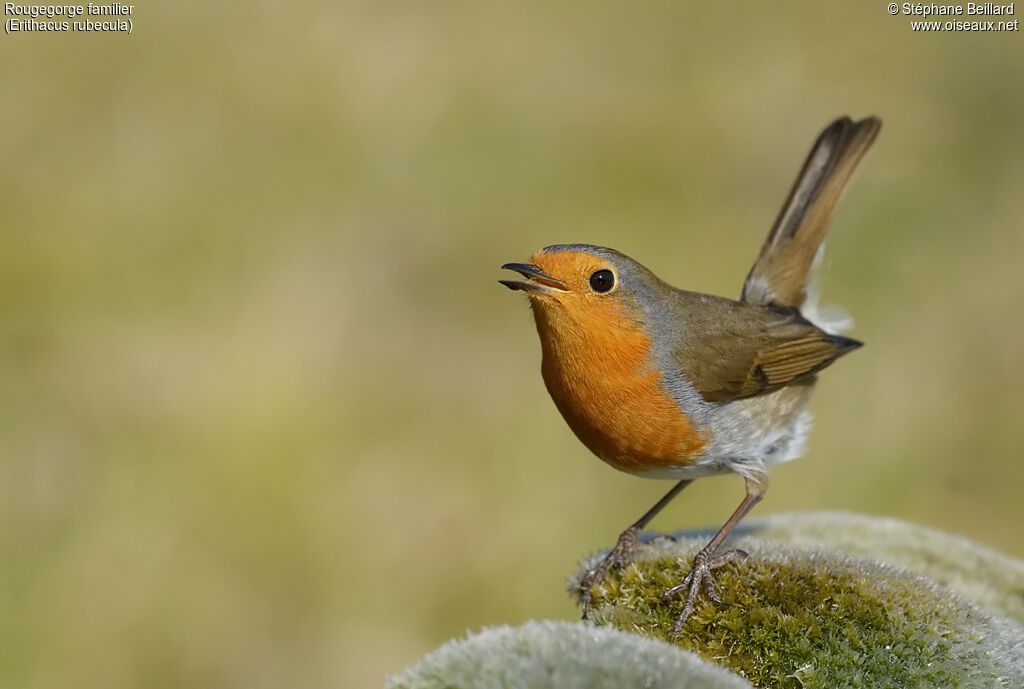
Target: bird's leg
706 560
624 547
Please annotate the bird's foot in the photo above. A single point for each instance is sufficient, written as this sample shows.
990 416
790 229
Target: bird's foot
617 557
700 578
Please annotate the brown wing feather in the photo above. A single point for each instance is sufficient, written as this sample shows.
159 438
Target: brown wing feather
753 350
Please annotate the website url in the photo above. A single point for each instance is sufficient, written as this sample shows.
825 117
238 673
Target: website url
965 26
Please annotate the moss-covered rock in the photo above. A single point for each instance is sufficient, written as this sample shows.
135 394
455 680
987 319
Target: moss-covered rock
824 600
562 655
984 576
809 617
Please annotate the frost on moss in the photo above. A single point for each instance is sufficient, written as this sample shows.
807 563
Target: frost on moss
562 655
984 576
800 617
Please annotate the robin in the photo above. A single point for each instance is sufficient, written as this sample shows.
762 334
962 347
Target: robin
664 383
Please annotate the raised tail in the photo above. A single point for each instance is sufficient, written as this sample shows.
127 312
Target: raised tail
781 273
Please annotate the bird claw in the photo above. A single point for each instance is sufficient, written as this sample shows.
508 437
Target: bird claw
616 557
700 578
710 592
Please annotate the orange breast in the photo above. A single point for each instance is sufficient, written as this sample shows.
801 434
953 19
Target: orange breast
599 378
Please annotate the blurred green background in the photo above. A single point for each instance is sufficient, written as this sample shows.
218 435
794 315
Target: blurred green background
269 420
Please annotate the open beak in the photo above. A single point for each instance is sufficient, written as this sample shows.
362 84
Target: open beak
539 281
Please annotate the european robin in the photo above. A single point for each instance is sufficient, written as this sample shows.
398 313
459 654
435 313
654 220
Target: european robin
665 383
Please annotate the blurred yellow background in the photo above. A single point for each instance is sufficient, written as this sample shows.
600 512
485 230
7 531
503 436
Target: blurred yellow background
268 419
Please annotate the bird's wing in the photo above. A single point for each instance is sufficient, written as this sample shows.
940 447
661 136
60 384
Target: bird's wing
755 350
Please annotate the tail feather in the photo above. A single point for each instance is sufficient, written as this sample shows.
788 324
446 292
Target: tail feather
782 270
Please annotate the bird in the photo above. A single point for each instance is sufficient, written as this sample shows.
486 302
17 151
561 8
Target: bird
665 383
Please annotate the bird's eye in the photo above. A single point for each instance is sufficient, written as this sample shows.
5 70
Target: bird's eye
602 281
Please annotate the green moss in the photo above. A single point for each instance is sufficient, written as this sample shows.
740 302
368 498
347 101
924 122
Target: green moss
805 619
